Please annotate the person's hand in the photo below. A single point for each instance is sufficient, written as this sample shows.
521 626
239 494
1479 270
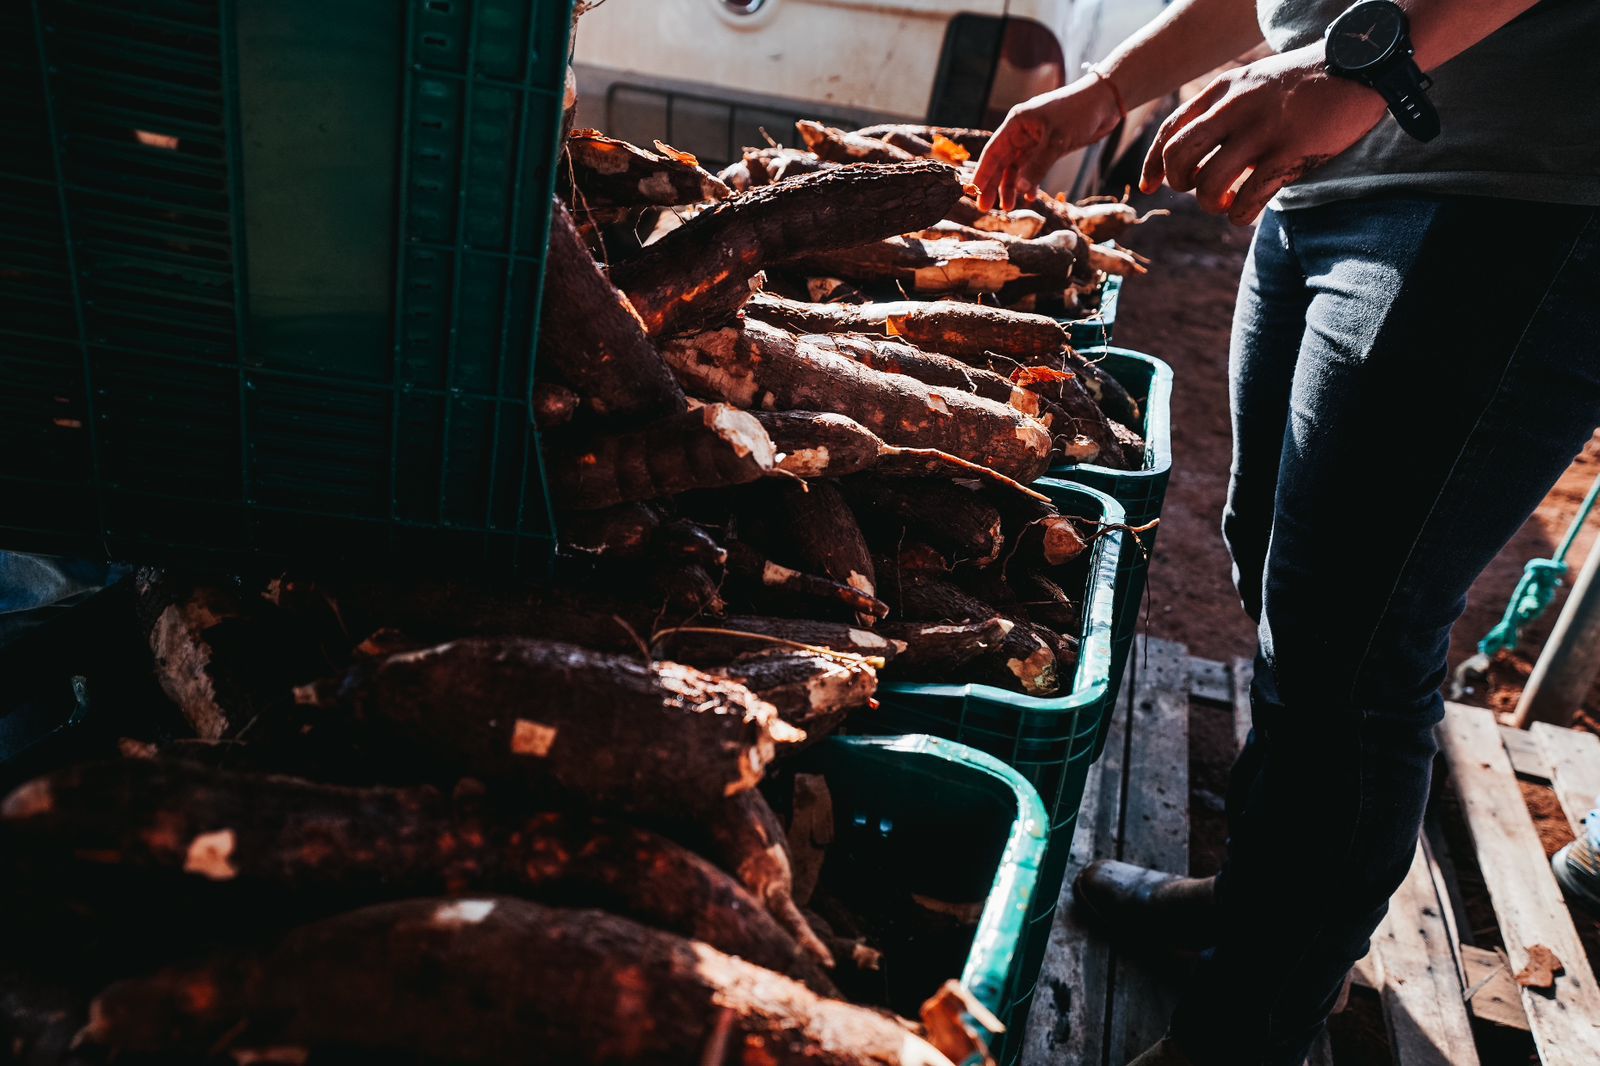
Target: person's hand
1275 118
1039 131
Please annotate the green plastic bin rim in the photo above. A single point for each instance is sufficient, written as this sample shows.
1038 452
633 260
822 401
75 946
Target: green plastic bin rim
1157 412
1092 679
998 938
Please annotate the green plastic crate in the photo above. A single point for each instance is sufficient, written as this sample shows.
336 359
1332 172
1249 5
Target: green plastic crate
1095 331
1050 741
272 277
1141 492
926 816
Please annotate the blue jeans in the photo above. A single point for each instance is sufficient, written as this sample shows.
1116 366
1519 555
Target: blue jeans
1409 378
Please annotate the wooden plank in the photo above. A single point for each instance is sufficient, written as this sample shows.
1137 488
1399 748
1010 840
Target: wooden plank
1210 681
1527 901
1574 760
1446 883
1526 757
1243 671
1155 833
1447 913
1491 989
1068 1020
1428 1022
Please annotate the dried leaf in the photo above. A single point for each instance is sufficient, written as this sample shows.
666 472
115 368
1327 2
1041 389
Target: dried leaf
959 1026
949 151
677 154
1039 375
1541 970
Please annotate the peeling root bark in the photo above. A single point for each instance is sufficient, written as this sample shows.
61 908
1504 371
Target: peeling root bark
711 447
897 357
313 847
952 265
747 563
972 140
605 729
814 444
828 538
936 651
961 523
812 692
228 660
621 532
760 366
591 338
837 146
614 173
1025 660
966 331
483 981
699 274
1106 390
1108 221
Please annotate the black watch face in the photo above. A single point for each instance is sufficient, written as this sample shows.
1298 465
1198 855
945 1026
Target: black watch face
1366 35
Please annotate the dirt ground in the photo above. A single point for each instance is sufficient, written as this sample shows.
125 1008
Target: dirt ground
1181 312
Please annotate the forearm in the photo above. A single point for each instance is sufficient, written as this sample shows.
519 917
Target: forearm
1188 39
1260 127
1443 29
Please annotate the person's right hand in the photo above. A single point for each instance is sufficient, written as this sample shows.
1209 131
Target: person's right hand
1038 132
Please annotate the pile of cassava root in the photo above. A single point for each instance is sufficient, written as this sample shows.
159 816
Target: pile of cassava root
1049 255
441 820
777 475
491 850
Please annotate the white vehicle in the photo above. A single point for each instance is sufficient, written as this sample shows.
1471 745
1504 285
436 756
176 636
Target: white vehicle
713 76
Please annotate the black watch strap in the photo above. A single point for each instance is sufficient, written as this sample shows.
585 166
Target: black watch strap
1404 88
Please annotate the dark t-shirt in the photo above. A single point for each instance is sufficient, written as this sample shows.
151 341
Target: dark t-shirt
1519 113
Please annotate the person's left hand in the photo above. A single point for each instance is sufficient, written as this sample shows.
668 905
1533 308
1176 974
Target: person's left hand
1277 118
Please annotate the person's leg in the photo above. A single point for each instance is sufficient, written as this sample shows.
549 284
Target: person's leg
1165 907
1268 323
1441 388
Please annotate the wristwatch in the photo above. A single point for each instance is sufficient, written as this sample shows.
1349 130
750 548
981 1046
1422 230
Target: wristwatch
1371 43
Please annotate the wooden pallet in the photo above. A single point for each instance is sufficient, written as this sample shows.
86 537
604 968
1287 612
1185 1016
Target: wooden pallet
1430 980
1099 1005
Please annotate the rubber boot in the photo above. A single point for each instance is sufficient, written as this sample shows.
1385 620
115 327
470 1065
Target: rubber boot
1132 903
